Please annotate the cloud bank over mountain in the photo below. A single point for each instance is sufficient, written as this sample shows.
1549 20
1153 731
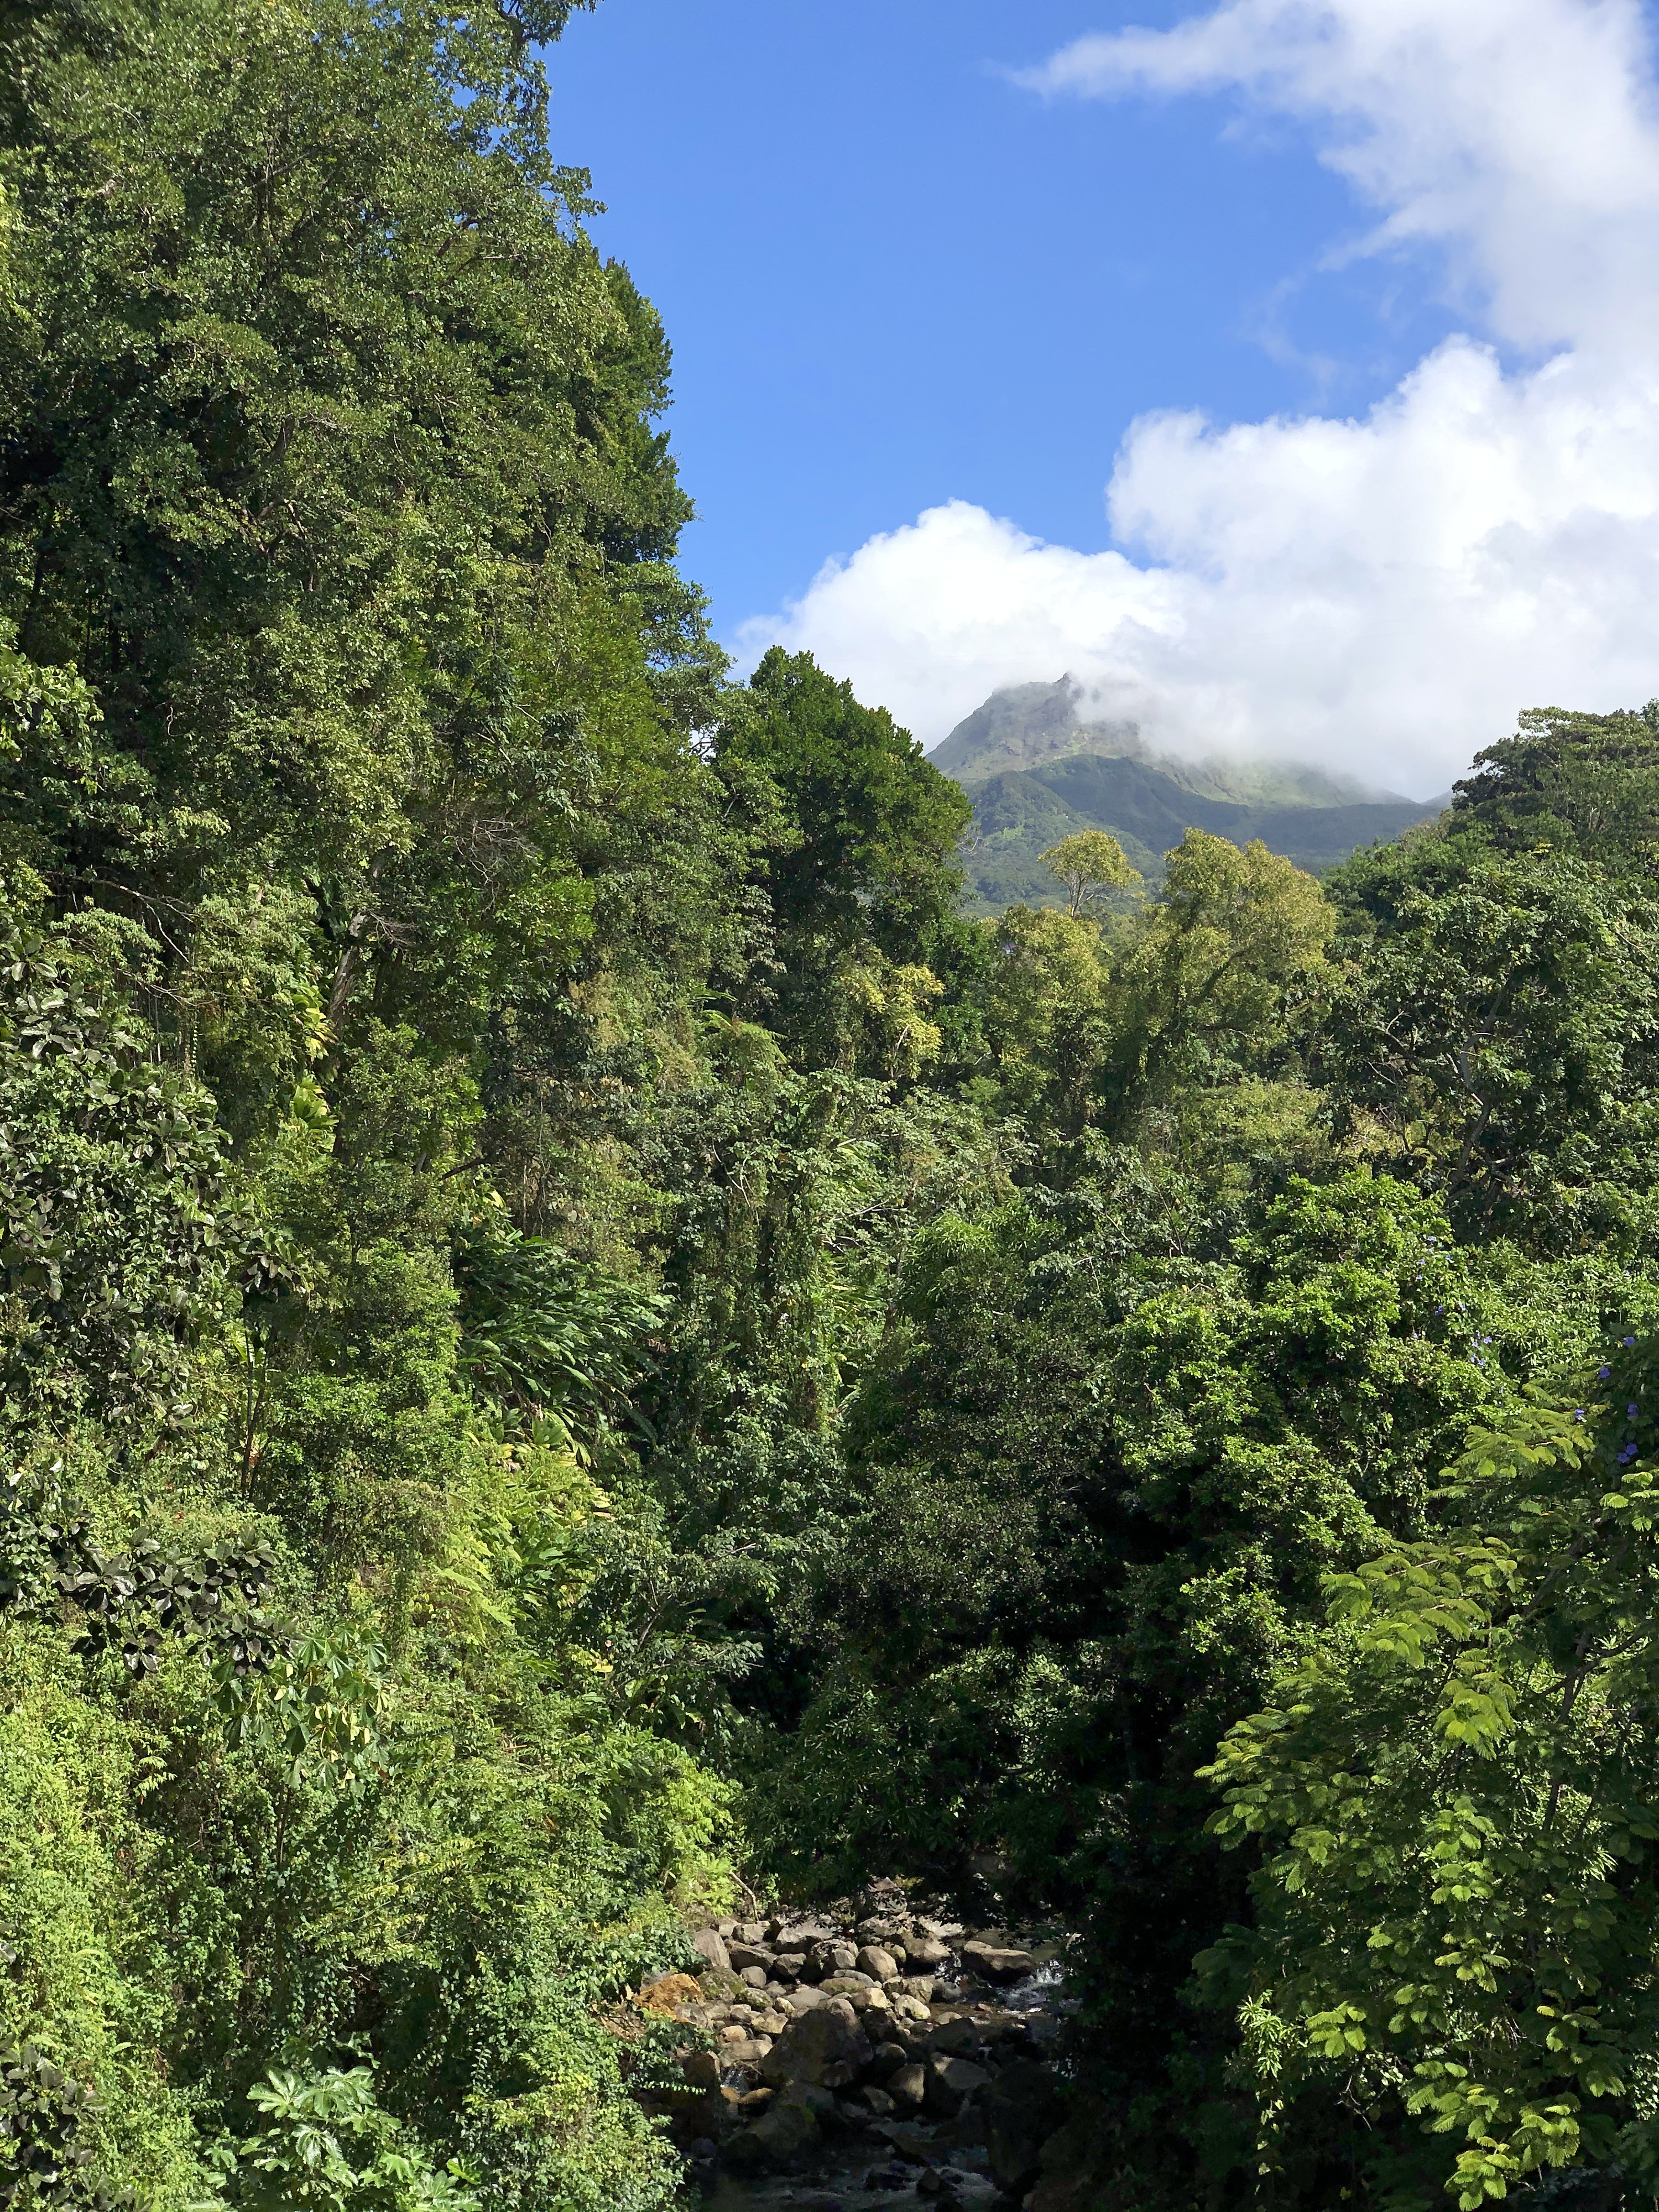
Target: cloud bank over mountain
1381 593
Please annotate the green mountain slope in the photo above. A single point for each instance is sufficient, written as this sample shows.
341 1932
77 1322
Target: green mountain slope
1036 772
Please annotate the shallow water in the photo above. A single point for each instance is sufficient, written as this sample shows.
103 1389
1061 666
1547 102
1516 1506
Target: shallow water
838 2184
1038 1992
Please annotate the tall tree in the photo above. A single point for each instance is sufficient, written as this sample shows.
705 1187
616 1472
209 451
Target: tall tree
868 882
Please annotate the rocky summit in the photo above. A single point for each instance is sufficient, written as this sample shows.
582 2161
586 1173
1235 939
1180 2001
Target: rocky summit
873 2051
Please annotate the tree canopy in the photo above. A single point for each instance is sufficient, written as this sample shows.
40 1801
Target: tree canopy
578 1344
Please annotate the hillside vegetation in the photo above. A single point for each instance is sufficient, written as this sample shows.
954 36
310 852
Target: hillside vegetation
581 1345
1036 772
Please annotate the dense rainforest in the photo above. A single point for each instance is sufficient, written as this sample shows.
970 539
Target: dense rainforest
579 1343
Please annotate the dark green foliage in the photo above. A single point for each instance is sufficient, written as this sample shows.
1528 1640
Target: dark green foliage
347 704
1503 1020
876 825
1100 1487
326 2140
130 1602
865 881
1588 782
111 1195
41 2109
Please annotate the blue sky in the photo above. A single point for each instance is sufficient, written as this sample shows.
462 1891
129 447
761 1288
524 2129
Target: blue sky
890 277
1282 370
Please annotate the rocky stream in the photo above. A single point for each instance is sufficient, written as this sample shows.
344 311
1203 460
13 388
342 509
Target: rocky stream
873 2053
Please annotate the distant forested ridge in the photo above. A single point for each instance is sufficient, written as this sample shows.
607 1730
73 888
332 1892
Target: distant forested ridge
578 1335
1036 772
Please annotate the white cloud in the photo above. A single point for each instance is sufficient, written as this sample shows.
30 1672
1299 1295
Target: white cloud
1383 592
1517 135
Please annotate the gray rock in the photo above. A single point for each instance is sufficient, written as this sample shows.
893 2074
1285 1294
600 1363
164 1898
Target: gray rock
884 1898
785 2134
1072 2180
907 2140
1023 2109
924 1950
997 1965
754 1976
879 1928
963 2136
799 1935
880 1965
907 2085
812 2097
709 1946
951 2083
825 2046
807 1998
721 1989
741 1955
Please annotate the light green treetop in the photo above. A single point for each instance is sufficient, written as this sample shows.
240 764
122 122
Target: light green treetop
1091 865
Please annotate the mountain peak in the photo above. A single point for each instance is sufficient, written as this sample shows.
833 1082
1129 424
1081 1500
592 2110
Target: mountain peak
1031 726
1024 724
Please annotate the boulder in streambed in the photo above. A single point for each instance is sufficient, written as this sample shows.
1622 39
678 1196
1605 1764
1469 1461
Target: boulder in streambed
907 2085
710 1947
825 2046
785 2134
807 1998
1023 2111
824 1960
994 1963
922 1951
951 2083
749 2052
